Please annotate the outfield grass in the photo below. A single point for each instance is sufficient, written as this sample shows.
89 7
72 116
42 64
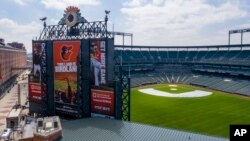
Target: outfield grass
63 84
210 115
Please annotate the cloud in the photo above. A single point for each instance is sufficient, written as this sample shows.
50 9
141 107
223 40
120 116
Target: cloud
62 4
24 33
53 21
133 3
177 22
22 2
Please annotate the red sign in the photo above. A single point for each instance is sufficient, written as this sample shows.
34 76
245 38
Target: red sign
34 92
102 102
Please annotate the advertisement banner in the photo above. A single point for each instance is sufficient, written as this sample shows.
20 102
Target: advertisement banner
65 55
0 71
35 77
102 103
98 62
37 56
34 92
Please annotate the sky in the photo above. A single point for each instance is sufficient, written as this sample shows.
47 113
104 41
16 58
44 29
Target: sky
152 22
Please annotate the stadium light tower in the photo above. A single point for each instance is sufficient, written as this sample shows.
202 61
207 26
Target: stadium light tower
106 16
106 21
235 31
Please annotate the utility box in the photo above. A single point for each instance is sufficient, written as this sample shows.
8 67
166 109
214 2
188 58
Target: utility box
13 118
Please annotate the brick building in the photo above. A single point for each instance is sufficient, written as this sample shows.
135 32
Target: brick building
12 56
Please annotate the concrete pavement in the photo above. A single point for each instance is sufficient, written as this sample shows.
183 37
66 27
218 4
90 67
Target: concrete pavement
11 98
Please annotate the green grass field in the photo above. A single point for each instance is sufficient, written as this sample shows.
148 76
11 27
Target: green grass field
209 115
63 84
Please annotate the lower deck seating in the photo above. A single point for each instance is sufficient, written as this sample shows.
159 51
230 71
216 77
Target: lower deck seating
236 86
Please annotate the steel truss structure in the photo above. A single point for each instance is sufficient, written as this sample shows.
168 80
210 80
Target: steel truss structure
125 89
84 30
122 90
44 81
235 31
123 36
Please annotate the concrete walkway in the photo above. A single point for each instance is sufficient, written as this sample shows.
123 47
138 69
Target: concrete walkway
11 98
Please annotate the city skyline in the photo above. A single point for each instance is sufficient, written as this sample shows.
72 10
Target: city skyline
153 22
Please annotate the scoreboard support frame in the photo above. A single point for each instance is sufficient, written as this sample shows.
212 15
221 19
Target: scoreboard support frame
84 32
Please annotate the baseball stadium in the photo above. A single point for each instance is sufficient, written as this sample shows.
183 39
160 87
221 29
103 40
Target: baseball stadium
84 86
196 92
201 89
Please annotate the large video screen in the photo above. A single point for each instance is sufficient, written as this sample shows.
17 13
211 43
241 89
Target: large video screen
65 55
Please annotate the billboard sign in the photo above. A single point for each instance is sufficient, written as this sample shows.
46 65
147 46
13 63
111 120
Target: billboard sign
65 55
35 77
37 56
102 103
98 62
34 92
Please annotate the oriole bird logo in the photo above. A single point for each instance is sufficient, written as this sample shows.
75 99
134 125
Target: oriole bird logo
66 52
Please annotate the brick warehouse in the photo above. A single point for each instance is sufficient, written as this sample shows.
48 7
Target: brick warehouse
12 60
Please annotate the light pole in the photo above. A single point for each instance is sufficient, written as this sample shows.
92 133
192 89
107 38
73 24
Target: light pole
106 22
44 21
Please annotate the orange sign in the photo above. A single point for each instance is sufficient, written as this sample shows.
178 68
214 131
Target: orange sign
65 73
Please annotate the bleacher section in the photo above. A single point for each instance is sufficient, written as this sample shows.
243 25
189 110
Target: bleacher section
230 57
217 67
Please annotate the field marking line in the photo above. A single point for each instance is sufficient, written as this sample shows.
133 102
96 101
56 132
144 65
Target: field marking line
195 93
